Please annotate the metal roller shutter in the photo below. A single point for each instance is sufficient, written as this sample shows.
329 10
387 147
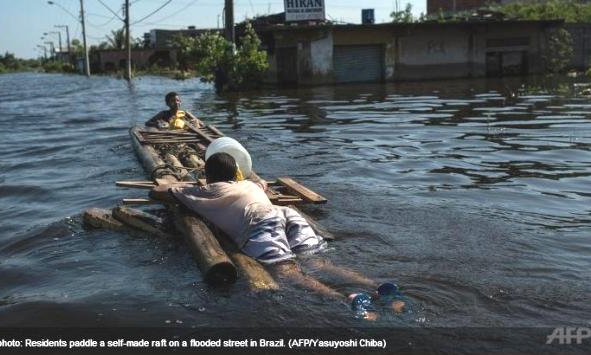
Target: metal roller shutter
358 63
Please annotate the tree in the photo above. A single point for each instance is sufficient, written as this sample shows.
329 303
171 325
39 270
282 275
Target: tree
559 50
78 47
216 60
567 10
403 16
117 39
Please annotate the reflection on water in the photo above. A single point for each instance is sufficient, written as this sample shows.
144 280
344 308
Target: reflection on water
471 194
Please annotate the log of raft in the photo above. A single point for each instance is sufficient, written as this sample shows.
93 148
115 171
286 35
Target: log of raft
211 258
214 263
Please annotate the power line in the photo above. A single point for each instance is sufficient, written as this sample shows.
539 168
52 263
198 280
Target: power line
175 13
97 15
108 8
152 13
106 23
96 38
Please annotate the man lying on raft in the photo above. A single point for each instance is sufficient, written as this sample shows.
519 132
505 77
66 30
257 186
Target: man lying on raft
271 234
168 118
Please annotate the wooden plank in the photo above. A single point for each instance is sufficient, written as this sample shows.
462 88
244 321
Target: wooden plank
138 135
168 133
215 130
140 220
305 193
198 130
150 184
138 201
289 201
135 184
169 141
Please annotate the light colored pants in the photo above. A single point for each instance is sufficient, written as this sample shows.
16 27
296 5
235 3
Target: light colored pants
280 235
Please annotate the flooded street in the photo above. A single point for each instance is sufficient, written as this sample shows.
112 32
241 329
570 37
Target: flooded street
473 195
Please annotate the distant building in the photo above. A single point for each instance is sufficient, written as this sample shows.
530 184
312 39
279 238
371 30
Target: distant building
160 39
389 52
157 51
110 60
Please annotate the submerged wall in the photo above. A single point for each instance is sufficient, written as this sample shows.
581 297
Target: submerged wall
316 55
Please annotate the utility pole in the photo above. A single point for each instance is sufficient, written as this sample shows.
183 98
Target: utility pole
127 41
67 39
86 59
229 23
51 49
59 36
44 51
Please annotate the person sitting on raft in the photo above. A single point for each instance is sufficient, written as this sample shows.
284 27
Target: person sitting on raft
168 119
271 234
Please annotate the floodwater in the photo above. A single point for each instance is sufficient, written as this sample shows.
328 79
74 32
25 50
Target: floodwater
472 195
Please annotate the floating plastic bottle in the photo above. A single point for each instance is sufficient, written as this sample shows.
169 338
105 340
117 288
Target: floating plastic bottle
362 304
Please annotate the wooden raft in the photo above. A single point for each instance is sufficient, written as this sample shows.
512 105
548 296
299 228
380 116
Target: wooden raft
175 157
284 191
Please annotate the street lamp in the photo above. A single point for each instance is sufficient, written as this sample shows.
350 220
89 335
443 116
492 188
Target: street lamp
63 8
59 36
67 38
86 59
44 51
51 47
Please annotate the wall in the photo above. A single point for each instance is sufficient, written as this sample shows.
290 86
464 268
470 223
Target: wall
367 35
433 52
411 51
461 50
109 60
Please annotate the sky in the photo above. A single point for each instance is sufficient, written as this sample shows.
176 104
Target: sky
23 22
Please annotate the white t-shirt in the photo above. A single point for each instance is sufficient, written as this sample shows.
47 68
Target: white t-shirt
231 206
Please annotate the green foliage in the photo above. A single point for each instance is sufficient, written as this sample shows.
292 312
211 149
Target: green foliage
403 16
78 48
568 10
116 40
9 63
250 62
53 66
215 60
559 50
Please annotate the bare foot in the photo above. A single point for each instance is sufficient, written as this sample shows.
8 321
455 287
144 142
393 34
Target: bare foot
397 306
370 316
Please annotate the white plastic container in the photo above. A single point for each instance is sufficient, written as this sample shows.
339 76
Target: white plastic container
235 149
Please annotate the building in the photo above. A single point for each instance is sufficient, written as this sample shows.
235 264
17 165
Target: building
158 51
110 60
160 39
329 54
